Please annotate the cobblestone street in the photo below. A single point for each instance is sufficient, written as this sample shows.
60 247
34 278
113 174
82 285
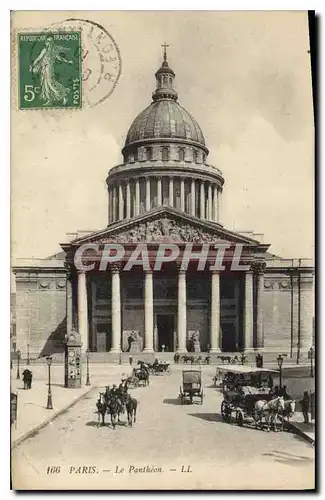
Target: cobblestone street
166 437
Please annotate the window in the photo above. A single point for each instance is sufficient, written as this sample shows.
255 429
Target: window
149 153
181 154
165 154
195 156
136 157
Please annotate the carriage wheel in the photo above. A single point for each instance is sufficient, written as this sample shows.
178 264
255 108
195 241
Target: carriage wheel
225 411
239 418
168 371
136 382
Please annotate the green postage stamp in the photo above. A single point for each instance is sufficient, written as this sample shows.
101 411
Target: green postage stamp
49 70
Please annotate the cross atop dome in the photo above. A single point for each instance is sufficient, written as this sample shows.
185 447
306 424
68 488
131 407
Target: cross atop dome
165 46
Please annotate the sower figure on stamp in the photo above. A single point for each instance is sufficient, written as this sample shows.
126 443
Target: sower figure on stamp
51 90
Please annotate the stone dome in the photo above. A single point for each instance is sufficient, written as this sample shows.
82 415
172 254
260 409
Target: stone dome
164 118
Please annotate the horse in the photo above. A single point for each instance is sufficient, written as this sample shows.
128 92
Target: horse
131 405
270 410
117 395
288 411
185 358
101 409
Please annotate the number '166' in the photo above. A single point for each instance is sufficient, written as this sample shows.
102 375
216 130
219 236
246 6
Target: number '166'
30 92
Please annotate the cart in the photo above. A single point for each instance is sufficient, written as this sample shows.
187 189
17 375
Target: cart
191 386
242 387
160 369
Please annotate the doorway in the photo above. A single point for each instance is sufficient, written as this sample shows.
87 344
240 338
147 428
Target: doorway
165 327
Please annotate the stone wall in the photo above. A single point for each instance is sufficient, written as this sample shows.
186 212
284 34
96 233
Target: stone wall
277 313
40 313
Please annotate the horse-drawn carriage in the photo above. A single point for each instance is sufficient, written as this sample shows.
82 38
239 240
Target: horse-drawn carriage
191 386
160 368
248 395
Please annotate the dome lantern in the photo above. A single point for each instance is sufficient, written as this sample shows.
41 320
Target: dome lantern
164 78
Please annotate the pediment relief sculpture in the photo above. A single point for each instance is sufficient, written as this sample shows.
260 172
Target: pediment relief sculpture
161 230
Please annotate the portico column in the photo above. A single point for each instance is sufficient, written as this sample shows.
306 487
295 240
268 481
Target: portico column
248 311
171 191
82 309
128 200
215 312
147 194
259 267
137 197
116 310
202 201
215 204
159 192
209 214
181 311
148 312
182 195
306 313
193 197
121 203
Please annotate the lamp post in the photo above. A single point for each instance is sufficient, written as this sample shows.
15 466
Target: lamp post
28 354
311 357
18 361
49 405
87 358
280 363
242 357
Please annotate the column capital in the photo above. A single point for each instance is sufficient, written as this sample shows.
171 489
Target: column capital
258 266
179 268
115 267
80 271
215 272
148 271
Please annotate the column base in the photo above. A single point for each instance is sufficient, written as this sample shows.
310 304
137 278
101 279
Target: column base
148 350
250 350
115 349
215 350
181 350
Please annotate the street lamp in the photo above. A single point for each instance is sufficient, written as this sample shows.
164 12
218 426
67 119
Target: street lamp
311 357
280 363
28 354
18 361
49 405
87 359
242 357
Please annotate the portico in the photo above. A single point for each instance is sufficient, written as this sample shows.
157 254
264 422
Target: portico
164 307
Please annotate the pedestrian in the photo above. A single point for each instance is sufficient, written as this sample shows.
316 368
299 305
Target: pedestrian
130 359
305 404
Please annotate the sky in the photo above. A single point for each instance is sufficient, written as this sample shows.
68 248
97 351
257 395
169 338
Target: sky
244 76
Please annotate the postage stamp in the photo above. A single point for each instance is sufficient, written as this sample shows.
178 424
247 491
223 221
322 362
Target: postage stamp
50 70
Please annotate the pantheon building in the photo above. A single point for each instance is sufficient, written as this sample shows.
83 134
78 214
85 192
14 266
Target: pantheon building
165 191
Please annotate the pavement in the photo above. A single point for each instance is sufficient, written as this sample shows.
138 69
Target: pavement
171 446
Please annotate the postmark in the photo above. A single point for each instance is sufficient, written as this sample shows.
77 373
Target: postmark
101 59
50 70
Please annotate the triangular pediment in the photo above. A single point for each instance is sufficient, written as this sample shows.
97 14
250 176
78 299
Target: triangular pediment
165 224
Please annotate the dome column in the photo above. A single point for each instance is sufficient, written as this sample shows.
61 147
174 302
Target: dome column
121 203
159 192
202 200
137 197
171 191
114 204
109 205
209 214
182 195
215 204
148 204
193 197
128 200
